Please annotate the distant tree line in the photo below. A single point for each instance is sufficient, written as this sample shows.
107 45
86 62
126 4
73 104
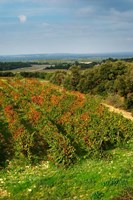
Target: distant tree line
39 63
6 74
115 59
87 65
13 65
68 65
59 66
41 75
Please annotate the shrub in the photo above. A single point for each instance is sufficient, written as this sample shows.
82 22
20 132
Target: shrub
6 144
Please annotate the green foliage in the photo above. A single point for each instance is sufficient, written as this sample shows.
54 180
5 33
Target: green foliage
120 85
6 74
73 78
104 179
111 77
115 99
59 66
41 75
127 193
13 65
6 144
129 101
58 77
47 122
97 195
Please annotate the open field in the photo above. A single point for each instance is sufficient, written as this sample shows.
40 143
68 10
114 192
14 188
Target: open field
34 68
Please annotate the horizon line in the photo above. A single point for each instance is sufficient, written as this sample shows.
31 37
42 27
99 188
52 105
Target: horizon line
93 53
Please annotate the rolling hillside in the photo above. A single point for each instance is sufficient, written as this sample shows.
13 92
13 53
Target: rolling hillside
57 144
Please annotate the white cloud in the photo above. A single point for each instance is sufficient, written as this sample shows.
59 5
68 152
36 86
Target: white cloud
85 11
22 18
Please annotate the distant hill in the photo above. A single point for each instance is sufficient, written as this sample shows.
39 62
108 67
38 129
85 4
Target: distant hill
62 56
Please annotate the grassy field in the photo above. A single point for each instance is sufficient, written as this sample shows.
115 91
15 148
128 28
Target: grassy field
34 68
104 179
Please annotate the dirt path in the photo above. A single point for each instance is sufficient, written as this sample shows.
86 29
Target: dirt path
125 114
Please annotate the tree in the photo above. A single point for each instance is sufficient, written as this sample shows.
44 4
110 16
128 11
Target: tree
75 77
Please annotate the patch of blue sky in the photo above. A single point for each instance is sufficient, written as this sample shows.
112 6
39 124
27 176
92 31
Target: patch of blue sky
90 26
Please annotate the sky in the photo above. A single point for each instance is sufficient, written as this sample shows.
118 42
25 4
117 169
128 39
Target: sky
65 26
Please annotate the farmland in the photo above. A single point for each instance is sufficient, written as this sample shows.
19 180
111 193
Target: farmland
55 142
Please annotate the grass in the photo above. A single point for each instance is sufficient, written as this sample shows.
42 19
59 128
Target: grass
105 179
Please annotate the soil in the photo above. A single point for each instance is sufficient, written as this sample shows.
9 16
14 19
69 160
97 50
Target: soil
125 114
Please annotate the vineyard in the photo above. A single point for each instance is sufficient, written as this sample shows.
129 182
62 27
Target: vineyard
41 121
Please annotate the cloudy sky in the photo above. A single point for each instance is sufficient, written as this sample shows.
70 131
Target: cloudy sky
65 26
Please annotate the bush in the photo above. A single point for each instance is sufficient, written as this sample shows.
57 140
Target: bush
129 101
6 144
58 77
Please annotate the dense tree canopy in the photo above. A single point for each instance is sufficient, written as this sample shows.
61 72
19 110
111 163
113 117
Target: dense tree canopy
13 65
114 77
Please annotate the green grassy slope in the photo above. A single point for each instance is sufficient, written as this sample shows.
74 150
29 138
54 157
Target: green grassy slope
92 179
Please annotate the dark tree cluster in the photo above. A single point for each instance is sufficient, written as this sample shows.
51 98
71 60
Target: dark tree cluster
13 65
59 66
